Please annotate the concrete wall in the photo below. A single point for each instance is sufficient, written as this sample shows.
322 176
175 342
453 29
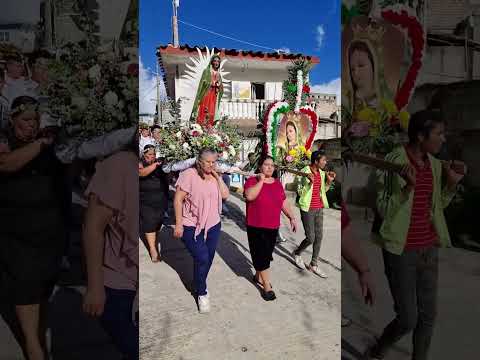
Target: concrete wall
443 65
327 131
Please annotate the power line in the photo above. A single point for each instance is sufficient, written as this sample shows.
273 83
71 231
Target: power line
227 37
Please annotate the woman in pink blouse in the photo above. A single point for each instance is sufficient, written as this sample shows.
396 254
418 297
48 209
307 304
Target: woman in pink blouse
265 201
198 205
110 240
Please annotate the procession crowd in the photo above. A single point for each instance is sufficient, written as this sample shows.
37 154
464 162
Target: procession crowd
37 186
36 216
201 191
410 224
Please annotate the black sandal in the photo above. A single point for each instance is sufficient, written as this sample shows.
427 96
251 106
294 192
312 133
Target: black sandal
258 282
269 295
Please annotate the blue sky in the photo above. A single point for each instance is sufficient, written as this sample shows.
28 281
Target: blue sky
311 27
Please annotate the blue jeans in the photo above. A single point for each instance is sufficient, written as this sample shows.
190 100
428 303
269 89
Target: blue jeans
117 321
203 252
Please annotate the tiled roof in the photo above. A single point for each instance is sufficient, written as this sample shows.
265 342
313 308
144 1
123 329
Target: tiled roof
272 56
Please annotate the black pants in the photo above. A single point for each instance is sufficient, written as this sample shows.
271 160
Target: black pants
261 242
413 280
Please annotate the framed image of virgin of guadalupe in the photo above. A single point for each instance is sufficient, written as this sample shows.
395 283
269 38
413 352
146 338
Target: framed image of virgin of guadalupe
372 55
294 131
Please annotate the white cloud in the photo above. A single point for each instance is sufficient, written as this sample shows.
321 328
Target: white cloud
148 89
320 35
332 87
285 50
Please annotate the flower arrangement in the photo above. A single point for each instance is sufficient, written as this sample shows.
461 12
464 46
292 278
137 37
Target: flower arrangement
404 18
378 130
296 158
91 91
181 143
297 88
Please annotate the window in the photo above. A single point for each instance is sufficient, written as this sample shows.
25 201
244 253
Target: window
258 91
4 36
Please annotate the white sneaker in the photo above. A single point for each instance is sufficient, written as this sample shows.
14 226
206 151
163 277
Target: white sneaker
299 262
316 270
203 304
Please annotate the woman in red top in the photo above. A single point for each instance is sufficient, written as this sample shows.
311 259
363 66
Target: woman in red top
265 201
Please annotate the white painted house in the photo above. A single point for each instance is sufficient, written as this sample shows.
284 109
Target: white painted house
256 80
22 36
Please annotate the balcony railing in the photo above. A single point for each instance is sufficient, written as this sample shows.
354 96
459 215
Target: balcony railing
243 109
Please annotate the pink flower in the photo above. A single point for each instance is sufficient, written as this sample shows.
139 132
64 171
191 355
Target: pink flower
360 128
195 133
289 158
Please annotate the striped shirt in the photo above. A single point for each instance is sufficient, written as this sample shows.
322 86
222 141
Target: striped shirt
421 233
316 202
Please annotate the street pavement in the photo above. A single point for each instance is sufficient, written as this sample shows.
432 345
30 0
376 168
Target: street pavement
456 329
74 336
303 323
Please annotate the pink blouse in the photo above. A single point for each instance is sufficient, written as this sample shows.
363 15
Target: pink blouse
114 182
203 204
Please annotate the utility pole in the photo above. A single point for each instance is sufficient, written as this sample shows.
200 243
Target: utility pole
175 4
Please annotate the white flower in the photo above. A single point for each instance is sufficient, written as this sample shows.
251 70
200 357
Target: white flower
196 132
224 155
172 147
186 146
80 102
231 150
110 98
94 73
227 139
178 134
196 127
217 138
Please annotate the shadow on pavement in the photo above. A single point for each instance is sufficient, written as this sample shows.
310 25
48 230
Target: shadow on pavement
175 255
235 213
347 347
229 250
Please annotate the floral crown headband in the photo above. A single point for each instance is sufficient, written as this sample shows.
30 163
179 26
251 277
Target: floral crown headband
22 108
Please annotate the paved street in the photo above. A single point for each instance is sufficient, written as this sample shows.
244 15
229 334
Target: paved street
303 323
456 330
74 335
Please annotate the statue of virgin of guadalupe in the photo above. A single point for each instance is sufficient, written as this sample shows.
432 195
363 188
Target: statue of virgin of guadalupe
209 93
